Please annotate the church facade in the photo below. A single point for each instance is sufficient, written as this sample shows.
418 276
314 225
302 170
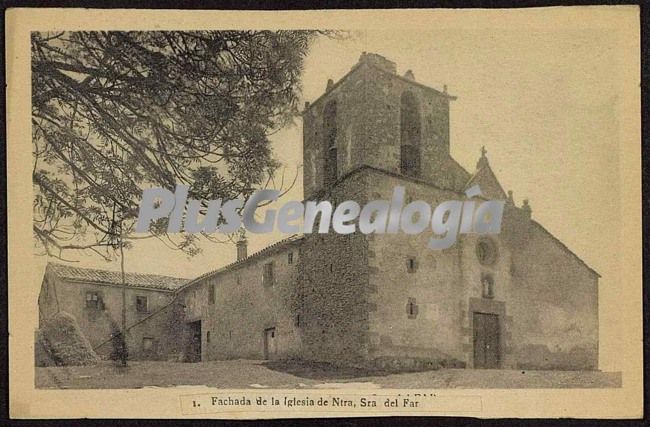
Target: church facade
517 299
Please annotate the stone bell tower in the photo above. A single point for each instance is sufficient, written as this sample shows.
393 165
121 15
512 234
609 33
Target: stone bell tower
375 117
370 131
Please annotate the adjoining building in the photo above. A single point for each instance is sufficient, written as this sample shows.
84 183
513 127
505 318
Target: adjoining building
94 298
519 299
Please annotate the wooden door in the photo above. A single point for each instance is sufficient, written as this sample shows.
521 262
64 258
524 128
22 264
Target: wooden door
486 341
193 352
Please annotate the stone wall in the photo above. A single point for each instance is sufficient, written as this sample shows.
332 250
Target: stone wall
471 271
556 294
245 307
351 133
97 325
333 287
368 128
404 270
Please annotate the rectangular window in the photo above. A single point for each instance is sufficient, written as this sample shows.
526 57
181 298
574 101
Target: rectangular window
94 300
411 308
290 257
411 265
147 344
268 274
141 304
211 294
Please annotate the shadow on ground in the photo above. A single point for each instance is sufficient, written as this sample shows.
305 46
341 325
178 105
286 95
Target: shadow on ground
322 370
230 374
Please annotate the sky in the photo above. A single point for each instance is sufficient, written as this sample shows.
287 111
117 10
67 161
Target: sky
547 122
543 103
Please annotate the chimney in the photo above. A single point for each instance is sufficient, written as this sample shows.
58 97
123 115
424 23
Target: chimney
409 75
330 85
242 245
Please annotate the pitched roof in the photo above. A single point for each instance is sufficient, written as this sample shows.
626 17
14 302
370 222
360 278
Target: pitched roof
265 251
491 187
564 247
136 280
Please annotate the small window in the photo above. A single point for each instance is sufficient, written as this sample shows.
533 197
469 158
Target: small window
141 304
94 300
486 251
411 308
268 274
297 320
207 337
331 268
487 285
411 265
290 257
147 344
211 294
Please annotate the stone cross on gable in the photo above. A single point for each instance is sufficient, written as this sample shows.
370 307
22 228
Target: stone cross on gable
482 161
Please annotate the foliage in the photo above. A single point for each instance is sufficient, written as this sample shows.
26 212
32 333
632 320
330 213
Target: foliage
119 350
116 112
65 343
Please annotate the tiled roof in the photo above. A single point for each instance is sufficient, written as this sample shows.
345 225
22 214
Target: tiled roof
277 245
153 281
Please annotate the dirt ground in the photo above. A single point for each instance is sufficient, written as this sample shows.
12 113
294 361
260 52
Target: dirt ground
264 374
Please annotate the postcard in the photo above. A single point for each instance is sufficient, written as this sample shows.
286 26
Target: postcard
294 214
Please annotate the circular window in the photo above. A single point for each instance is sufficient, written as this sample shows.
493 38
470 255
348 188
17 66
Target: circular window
486 251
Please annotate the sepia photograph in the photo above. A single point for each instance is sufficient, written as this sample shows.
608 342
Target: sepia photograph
335 217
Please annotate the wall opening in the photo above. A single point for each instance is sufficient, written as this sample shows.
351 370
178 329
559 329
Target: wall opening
270 344
329 132
487 341
193 349
410 134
